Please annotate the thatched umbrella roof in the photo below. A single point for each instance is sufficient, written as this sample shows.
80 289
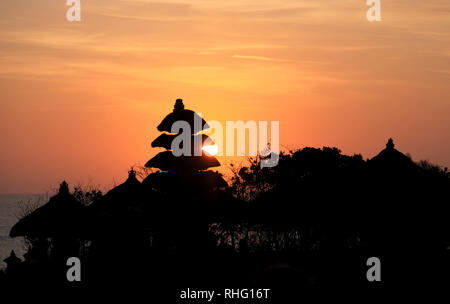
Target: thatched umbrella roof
166 161
392 159
120 210
210 180
180 113
197 142
117 198
61 216
12 259
131 185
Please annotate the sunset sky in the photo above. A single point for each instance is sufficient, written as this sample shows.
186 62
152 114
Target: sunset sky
81 101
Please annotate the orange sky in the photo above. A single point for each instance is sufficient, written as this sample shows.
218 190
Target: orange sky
81 101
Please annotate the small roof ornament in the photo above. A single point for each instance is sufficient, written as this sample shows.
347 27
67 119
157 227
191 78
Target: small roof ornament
64 188
390 144
132 177
179 106
131 173
12 259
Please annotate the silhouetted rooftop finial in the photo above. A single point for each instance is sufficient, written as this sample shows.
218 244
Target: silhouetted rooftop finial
64 188
12 259
131 173
390 144
179 106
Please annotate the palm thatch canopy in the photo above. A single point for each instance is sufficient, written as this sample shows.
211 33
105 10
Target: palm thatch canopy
131 185
210 180
12 259
166 161
392 159
120 196
197 142
180 113
61 216
120 210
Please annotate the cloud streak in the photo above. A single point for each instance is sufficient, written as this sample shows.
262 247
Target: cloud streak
260 58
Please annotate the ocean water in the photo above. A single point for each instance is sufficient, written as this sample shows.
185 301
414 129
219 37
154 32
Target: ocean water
10 209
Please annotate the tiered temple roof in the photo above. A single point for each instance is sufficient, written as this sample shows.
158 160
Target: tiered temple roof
198 159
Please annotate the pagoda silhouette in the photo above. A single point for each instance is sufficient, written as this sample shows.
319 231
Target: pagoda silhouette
187 170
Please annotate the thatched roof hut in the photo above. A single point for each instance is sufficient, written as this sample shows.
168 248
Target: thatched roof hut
121 197
392 160
61 216
12 260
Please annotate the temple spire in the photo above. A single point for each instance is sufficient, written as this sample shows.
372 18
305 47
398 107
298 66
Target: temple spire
64 188
196 160
12 261
390 144
132 173
179 106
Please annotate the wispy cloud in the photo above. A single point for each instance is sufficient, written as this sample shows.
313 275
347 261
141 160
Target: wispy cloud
261 58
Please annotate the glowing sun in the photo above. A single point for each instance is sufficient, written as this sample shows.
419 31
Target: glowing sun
211 149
